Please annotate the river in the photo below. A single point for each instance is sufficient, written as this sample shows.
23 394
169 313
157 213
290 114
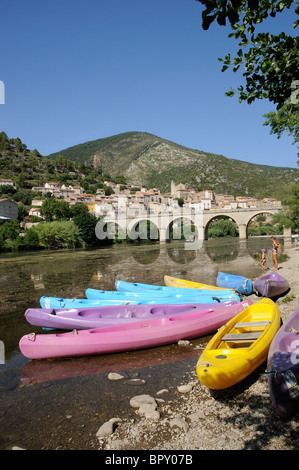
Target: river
60 404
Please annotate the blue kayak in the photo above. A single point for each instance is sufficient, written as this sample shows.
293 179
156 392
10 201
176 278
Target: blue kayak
239 283
172 296
56 302
123 286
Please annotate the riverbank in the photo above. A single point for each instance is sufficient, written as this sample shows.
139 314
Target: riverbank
240 418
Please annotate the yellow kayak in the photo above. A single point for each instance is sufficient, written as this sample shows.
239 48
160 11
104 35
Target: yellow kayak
173 282
240 346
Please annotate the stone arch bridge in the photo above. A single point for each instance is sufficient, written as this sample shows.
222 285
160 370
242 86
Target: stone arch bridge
162 222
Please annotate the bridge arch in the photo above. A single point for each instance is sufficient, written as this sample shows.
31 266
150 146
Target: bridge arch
242 217
251 216
259 213
217 216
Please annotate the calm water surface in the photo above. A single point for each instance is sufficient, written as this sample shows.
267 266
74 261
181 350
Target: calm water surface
60 404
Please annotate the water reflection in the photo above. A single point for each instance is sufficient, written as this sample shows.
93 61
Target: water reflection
38 371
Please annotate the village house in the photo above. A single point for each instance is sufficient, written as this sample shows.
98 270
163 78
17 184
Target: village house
37 202
34 211
199 205
67 193
242 201
102 208
170 202
272 203
39 189
78 189
4 182
51 185
100 191
206 194
136 209
8 209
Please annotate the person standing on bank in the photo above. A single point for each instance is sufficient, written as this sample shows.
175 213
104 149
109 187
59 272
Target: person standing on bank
275 246
263 260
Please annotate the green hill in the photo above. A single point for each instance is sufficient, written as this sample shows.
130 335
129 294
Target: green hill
28 168
147 160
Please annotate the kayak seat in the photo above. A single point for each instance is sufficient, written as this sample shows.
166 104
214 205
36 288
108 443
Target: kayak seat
157 311
248 336
241 337
252 323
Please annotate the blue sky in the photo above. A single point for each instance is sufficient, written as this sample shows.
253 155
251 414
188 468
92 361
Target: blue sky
79 70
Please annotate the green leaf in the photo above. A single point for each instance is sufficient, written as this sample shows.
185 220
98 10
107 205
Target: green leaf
207 21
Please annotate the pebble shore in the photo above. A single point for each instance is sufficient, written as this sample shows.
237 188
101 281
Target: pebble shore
239 418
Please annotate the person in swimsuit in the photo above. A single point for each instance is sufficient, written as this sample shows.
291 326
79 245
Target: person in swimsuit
263 260
275 246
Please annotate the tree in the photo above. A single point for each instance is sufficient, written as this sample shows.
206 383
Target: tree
48 208
18 145
4 141
271 62
10 230
22 212
31 239
292 201
62 210
289 217
86 224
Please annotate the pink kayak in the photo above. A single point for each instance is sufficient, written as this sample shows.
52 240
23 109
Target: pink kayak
125 337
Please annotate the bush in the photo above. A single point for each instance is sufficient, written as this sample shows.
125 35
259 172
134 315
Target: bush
10 230
31 239
59 234
223 228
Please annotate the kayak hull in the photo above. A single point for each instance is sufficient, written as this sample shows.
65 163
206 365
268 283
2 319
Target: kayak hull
138 335
182 283
177 294
239 283
124 286
283 361
98 317
239 347
57 302
271 284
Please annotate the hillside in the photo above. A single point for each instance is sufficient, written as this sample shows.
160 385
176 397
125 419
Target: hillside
147 160
28 168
